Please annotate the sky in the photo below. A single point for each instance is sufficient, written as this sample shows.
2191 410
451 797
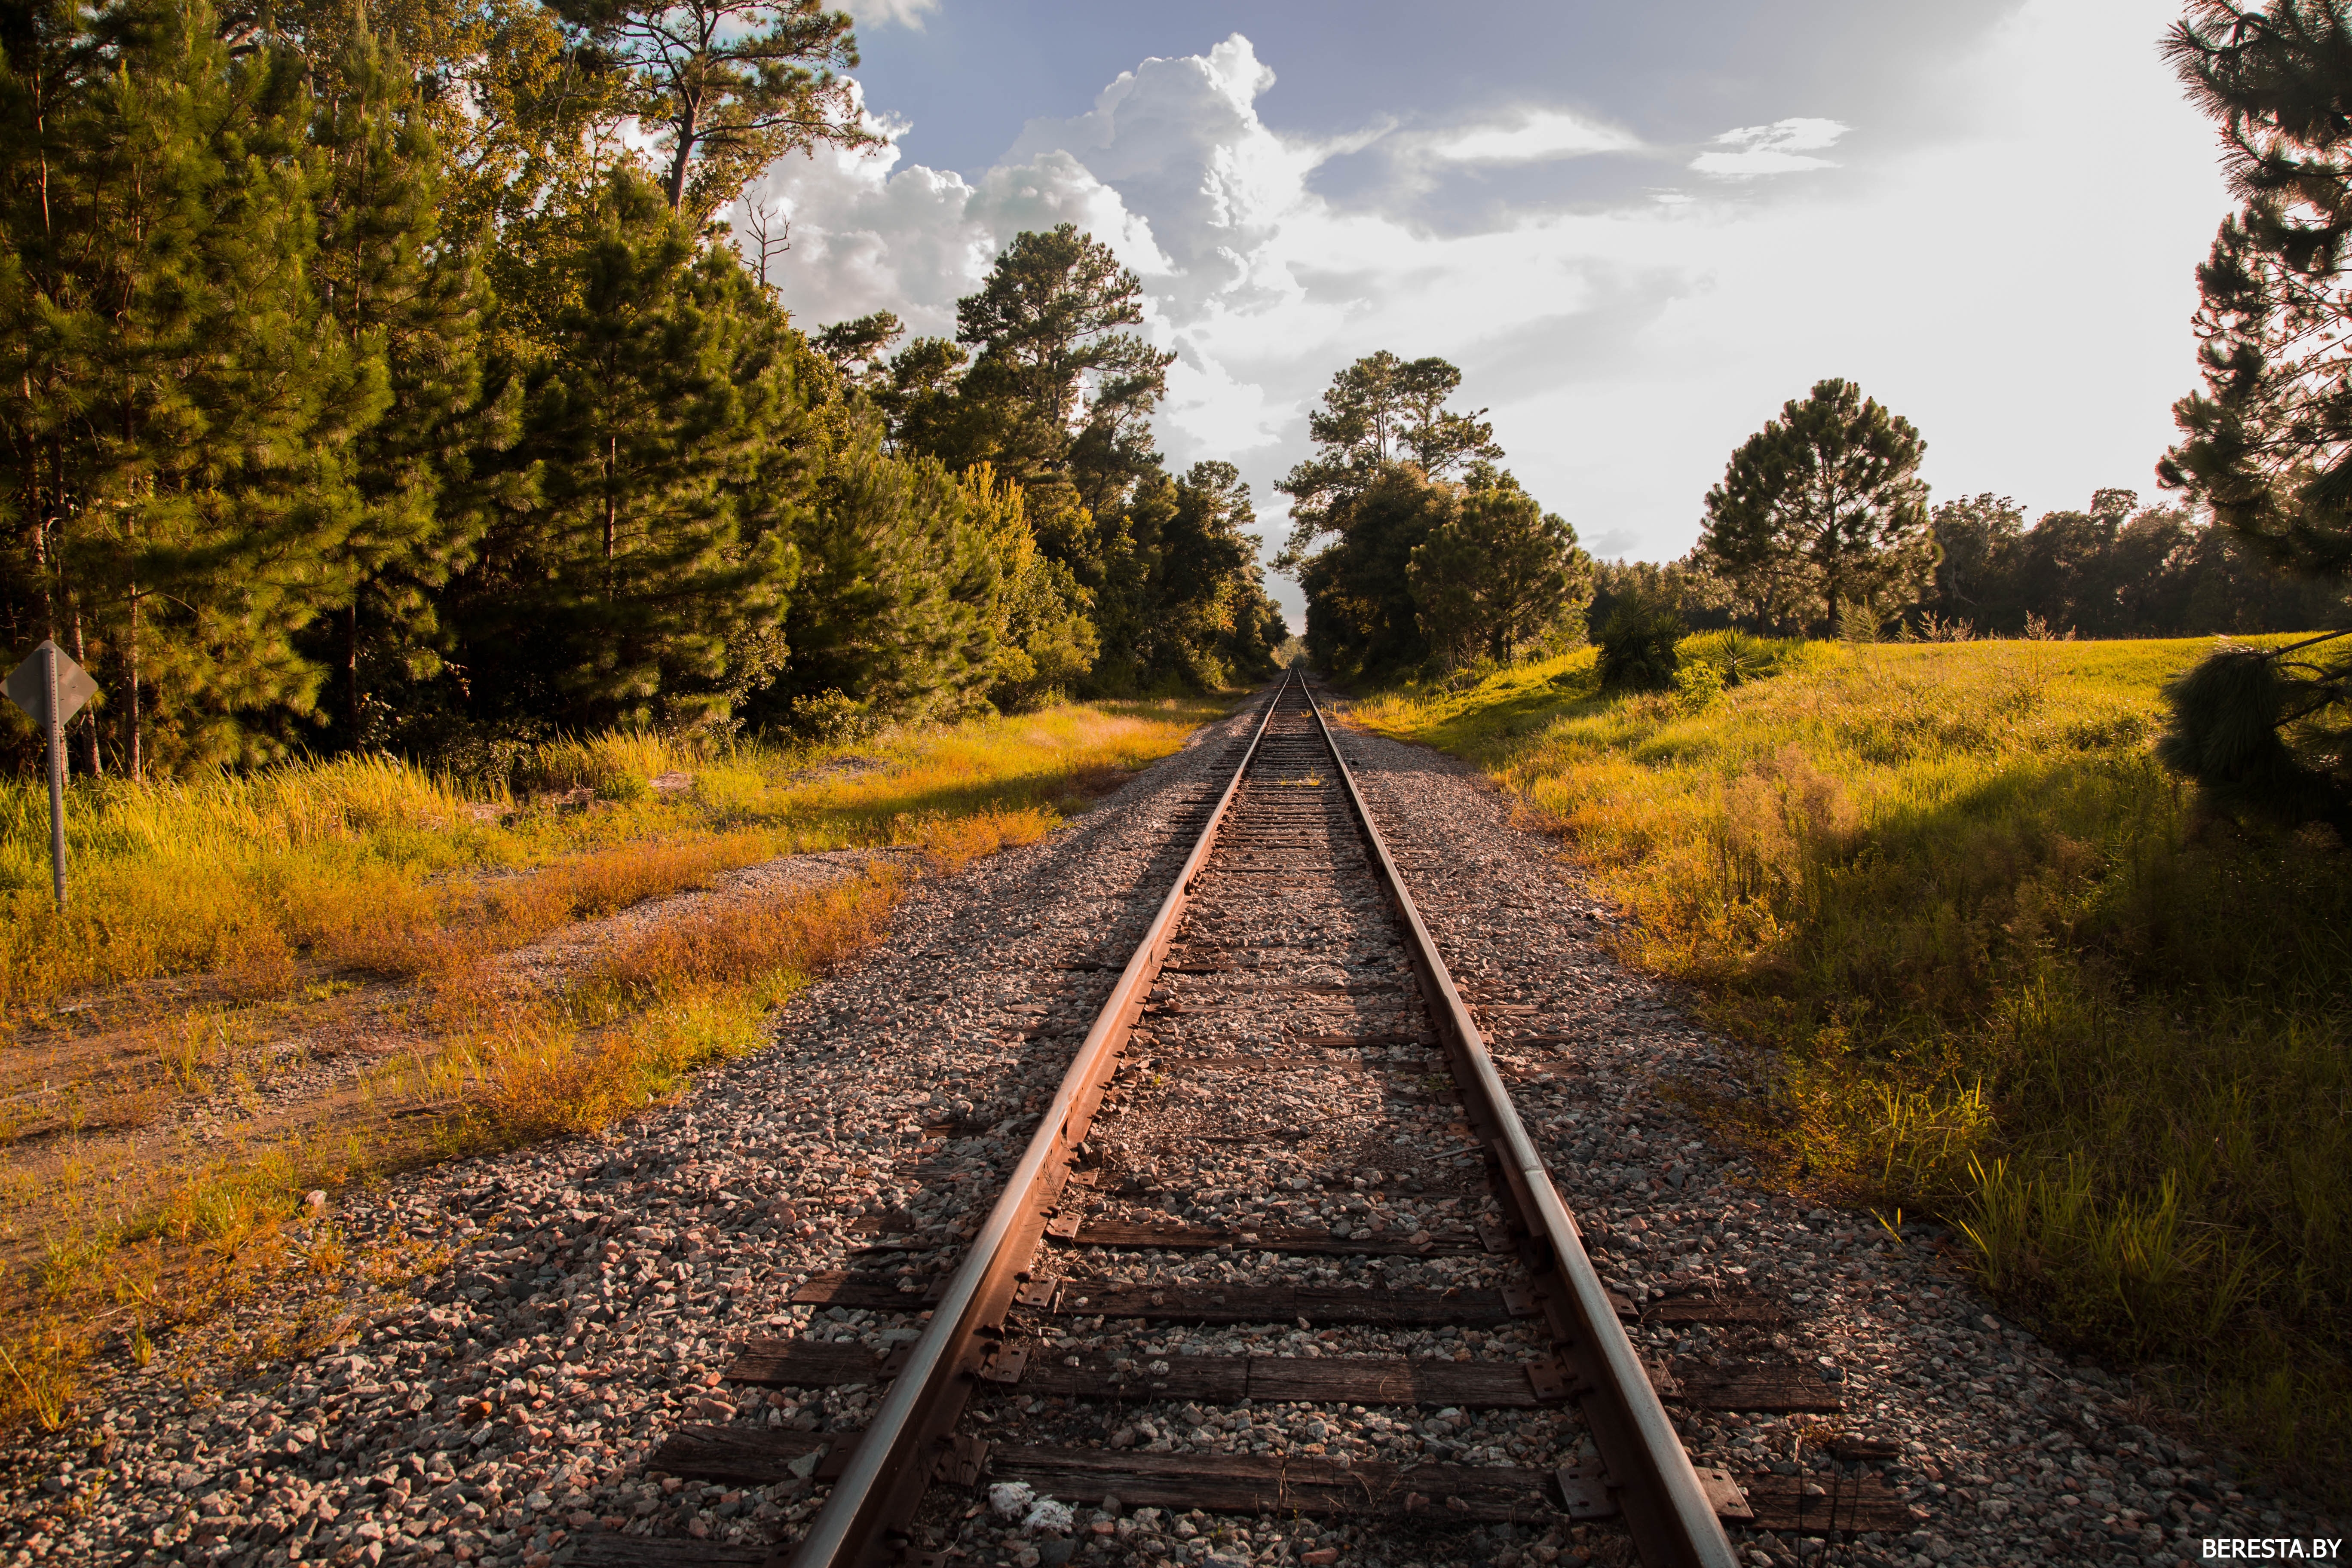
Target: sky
1637 230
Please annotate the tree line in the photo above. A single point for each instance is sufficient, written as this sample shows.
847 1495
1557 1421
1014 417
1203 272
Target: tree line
373 380
1418 554
1821 527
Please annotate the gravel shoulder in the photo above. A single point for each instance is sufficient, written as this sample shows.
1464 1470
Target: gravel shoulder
586 1293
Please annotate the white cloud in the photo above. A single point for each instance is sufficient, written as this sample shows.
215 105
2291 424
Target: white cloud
1180 142
885 13
1780 147
1545 134
867 235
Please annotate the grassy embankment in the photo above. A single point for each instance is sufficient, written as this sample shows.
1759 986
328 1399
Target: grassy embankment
353 919
1993 966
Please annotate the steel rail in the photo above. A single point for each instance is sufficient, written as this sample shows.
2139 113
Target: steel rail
891 1466
1672 1522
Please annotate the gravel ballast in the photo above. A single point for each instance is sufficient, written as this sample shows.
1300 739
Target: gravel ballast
503 1409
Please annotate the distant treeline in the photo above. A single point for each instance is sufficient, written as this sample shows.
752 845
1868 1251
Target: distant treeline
2117 569
363 388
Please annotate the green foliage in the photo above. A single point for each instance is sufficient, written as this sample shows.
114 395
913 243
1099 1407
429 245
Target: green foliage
1378 411
1055 395
363 360
729 85
658 429
2117 569
396 287
855 347
2264 445
1498 574
1637 646
2263 735
1417 566
1070 395
1821 507
903 579
1736 657
1185 594
179 404
1360 615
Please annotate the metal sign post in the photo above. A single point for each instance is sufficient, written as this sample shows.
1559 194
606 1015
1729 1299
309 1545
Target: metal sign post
51 689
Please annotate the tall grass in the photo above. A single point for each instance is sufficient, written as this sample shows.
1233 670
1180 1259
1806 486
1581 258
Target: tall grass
1990 961
670 999
370 866
377 866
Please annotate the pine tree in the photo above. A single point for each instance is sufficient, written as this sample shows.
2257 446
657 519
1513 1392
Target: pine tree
1498 574
1073 392
1360 615
664 432
901 610
181 414
1381 410
857 348
2265 444
1192 610
1048 643
401 289
730 85
1824 506
1368 497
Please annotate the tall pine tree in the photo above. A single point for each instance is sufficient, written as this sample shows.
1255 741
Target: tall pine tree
180 412
1823 506
663 438
729 85
900 612
1498 574
402 288
2268 443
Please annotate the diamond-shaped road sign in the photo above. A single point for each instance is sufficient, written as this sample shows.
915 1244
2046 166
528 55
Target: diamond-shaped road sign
74 686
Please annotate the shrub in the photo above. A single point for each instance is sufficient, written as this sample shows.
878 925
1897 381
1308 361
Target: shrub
1637 645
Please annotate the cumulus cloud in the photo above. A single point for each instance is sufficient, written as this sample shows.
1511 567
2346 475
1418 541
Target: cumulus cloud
1261 286
1180 142
1542 135
867 235
1780 147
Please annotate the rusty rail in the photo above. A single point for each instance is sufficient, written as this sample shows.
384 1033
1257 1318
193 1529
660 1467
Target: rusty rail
892 1465
1647 1473
1665 1506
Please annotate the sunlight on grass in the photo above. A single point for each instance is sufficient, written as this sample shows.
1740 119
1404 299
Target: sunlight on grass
1991 964
375 866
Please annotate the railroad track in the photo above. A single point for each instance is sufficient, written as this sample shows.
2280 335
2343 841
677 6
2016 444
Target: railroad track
1282 1132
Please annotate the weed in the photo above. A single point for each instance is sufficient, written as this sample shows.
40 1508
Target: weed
44 1370
373 865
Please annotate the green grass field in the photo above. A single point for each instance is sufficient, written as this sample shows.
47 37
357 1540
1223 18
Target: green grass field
1993 963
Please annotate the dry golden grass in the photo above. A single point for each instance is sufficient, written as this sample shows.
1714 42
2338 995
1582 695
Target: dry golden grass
215 919
1993 966
377 866
679 995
